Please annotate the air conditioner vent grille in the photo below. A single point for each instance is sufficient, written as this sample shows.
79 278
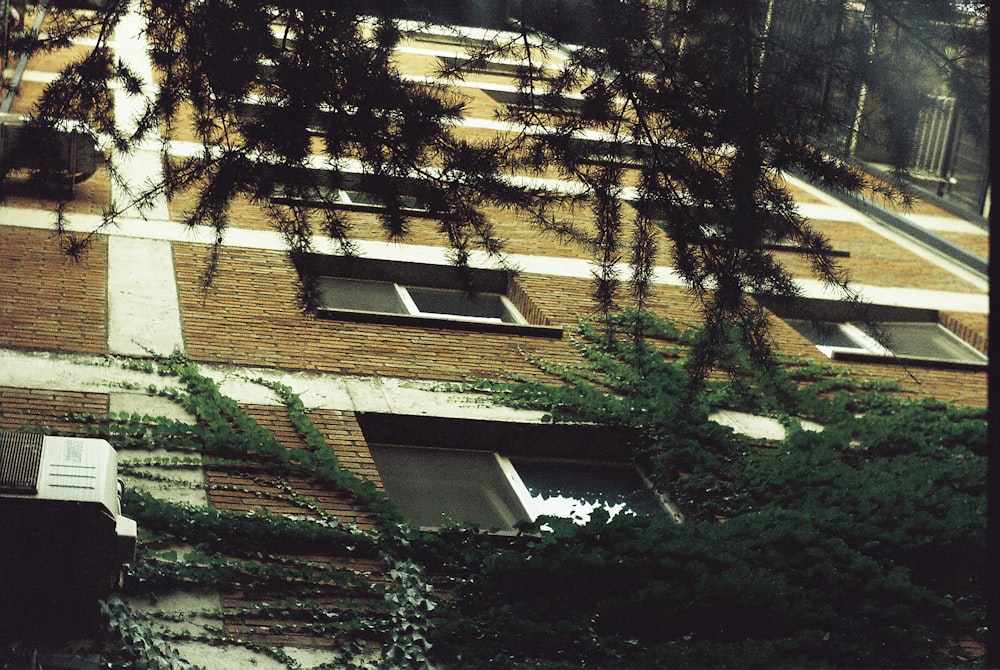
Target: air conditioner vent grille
20 459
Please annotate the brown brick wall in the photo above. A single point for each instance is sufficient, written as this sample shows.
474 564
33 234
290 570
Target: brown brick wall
344 434
264 327
973 328
250 317
875 260
957 386
92 196
256 488
48 300
39 407
965 387
520 236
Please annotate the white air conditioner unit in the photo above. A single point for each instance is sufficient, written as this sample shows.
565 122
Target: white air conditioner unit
63 540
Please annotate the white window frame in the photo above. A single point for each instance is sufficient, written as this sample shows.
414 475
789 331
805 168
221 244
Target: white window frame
518 486
504 300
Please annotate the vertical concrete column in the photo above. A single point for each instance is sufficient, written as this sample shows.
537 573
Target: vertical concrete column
142 168
182 485
143 310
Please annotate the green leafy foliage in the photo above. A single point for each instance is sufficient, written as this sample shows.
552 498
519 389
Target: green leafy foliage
773 584
859 546
135 644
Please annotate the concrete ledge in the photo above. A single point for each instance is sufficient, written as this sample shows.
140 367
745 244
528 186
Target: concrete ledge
968 260
522 329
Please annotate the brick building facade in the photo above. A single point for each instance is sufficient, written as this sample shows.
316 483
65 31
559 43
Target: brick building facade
67 323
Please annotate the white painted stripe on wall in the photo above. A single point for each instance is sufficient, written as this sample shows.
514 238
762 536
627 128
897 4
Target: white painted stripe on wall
142 169
972 301
143 309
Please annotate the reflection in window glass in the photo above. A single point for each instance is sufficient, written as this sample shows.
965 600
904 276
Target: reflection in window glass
573 490
822 333
436 486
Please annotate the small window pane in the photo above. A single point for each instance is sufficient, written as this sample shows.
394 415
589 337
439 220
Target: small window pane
364 198
433 486
928 340
460 303
374 200
357 295
822 333
573 490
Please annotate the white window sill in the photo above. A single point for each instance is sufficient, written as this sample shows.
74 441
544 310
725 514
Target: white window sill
442 321
861 356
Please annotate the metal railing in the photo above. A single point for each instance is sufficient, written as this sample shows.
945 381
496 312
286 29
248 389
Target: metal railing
935 137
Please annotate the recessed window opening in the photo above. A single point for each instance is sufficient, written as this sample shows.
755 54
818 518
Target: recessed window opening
353 195
928 340
373 200
364 295
830 337
772 240
906 339
575 489
435 486
369 290
569 103
499 67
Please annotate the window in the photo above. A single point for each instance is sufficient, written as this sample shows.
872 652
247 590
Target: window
434 486
569 103
499 67
357 193
907 340
336 293
369 200
350 288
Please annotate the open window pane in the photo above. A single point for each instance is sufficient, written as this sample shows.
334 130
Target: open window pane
357 295
460 303
928 340
573 490
908 339
434 486
822 333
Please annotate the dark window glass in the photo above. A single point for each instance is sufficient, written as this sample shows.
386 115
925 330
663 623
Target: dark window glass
927 340
478 305
822 333
365 296
434 486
